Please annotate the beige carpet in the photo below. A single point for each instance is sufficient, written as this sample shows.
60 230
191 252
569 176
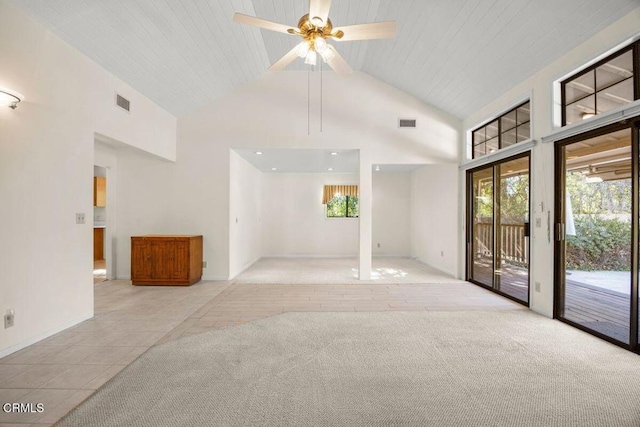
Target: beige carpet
511 368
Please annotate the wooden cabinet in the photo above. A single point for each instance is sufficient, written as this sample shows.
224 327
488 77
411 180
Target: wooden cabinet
99 191
98 244
166 260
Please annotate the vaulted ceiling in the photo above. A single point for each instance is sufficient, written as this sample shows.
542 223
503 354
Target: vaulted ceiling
454 55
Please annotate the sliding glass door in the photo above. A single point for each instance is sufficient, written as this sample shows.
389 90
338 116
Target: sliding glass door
498 231
481 256
596 233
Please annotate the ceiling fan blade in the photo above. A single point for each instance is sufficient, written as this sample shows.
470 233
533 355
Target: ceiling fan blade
287 59
375 30
338 64
261 23
319 9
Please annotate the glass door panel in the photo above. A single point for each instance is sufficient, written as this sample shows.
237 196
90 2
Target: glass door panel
512 217
481 270
595 236
499 227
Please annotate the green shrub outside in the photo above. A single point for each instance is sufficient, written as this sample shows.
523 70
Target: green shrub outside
599 244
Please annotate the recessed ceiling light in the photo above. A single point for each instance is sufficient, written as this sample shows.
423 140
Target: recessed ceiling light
334 153
330 169
274 169
259 153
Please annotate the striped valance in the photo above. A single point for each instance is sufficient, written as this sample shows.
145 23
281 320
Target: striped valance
331 191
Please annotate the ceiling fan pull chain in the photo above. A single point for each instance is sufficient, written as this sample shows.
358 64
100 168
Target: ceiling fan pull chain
308 102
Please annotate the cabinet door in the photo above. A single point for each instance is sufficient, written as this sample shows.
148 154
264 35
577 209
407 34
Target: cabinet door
99 191
181 260
162 254
98 244
140 260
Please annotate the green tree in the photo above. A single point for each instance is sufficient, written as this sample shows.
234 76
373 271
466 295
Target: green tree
337 207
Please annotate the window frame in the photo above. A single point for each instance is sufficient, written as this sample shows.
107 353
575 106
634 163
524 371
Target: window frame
498 119
346 211
634 48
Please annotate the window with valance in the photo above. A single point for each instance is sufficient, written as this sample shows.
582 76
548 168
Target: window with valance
341 201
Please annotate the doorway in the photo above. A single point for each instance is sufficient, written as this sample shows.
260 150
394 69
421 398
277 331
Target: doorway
498 227
99 224
596 271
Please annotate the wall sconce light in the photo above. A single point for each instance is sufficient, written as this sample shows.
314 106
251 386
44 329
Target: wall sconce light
9 98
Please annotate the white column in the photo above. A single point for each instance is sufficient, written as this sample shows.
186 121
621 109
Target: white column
365 214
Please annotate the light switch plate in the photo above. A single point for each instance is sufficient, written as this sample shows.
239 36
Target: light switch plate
79 218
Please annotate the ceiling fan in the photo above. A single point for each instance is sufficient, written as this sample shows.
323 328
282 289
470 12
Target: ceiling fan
315 28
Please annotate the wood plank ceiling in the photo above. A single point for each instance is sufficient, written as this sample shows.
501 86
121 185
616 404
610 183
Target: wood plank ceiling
455 55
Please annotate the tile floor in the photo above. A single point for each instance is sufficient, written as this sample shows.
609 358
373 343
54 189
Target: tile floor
66 368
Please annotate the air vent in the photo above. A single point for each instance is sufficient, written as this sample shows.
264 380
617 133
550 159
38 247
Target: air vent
407 123
123 102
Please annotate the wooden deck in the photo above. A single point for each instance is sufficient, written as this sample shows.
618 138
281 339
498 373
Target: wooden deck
513 280
599 309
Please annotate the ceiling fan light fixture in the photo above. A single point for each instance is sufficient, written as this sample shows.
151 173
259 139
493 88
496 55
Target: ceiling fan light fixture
303 49
320 45
314 28
327 54
311 58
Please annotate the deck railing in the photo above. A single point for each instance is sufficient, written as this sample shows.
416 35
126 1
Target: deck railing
512 241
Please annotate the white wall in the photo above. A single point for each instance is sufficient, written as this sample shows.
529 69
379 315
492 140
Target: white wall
435 220
294 218
540 86
46 165
360 112
245 212
193 194
146 202
391 221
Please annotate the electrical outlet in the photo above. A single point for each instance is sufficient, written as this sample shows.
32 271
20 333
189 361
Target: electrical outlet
9 318
79 218
441 253
204 264
537 286
378 244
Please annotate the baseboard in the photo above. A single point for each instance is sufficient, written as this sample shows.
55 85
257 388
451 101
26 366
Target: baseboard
212 278
40 337
390 256
215 278
337 256
541 312
440 269
311 256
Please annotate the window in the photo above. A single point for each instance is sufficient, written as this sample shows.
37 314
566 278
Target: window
341 201
604 86
343 207
510 128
